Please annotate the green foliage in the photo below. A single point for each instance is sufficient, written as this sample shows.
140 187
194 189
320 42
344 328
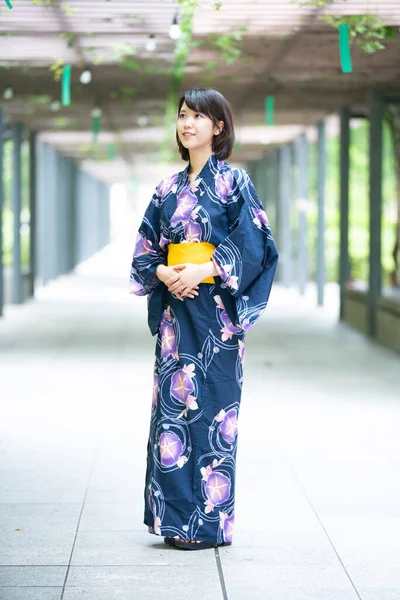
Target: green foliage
62 122
43 2
358 208
314 3
8 216
123 50
367 30
182 44
128 91
57 69
188 6
123 54
228 45
130 65
41 100
69 38
68 9
182 47
211 65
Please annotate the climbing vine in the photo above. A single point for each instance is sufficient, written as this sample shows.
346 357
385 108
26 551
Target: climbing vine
42 2
182 47
57 69
366 30
228 45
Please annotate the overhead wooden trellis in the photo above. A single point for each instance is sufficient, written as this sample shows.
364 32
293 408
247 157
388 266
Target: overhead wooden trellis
280 42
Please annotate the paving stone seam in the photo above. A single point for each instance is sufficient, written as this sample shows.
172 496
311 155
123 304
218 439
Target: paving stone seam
221 574
79 522
323 528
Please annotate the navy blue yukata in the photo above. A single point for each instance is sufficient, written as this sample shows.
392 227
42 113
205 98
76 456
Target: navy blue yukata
198 370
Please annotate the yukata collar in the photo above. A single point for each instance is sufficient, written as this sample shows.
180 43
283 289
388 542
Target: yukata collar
207 173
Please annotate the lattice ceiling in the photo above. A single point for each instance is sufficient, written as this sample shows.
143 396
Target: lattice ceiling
286 50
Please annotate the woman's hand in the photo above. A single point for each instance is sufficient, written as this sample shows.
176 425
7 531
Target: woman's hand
170 276
187 278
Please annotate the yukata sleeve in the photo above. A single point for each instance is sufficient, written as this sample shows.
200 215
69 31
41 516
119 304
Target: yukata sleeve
148 253
246 259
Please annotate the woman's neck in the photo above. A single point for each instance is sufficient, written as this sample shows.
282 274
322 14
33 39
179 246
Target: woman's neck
198 160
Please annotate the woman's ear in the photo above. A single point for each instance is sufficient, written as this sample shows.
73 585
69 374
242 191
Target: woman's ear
219 127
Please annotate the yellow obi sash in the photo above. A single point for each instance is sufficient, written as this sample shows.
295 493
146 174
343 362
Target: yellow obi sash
193 252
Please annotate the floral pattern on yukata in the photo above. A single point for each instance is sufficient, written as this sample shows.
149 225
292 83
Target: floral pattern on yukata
200 347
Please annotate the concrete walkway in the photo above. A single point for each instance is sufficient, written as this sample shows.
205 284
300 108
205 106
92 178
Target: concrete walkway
318 480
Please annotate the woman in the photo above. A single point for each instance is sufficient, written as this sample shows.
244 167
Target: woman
206 258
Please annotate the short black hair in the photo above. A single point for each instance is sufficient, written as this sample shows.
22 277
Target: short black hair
212 103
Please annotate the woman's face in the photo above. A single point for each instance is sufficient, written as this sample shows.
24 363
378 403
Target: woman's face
195 130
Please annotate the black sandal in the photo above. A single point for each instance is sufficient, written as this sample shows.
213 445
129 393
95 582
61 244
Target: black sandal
199 545
169 541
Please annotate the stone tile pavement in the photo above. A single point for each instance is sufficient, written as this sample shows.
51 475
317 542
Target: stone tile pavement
318 480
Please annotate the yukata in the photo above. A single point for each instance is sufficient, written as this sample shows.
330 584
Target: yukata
198 370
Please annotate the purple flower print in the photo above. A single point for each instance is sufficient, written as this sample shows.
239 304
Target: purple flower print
143 246
224 272
223 185
229 426
206 471
163 243
226 523
156 381
156 520
182 384
157 525
218 488
171 450
136 288
192 232
246 325
167 184
229 328
186 201
182 387
168 340
195 212
242 348
220 164
260 218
